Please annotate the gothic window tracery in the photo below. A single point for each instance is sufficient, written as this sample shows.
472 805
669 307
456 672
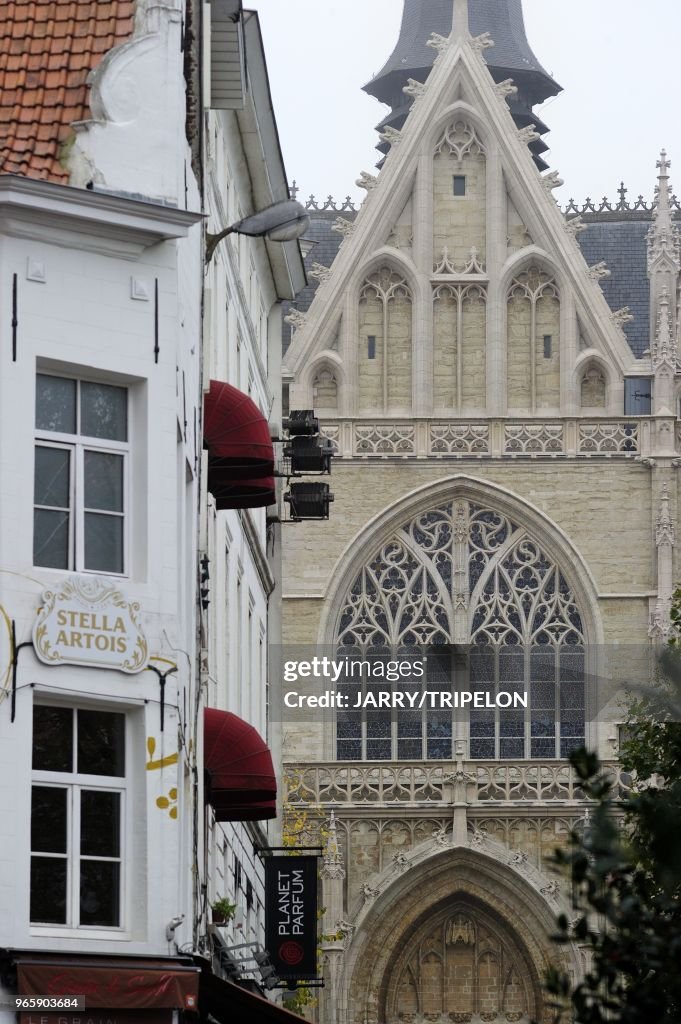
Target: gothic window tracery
459 326
533 317
462 969
385 316
495 611
459 194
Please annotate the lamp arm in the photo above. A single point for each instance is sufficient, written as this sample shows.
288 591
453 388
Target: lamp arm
212 241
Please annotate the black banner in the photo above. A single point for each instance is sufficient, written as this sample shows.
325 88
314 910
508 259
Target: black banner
291 916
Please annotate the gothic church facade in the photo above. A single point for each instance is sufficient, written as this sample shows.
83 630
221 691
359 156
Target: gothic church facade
505 484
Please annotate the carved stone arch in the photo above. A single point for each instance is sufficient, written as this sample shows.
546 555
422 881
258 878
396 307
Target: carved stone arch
589 367
459 109
519 261
387 256
533 309
538 525
323 361
464 899
385 352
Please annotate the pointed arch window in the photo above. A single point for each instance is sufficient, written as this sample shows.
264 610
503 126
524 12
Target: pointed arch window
385 357
495 611
534 317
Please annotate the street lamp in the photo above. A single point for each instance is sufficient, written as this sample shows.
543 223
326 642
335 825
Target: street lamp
282 222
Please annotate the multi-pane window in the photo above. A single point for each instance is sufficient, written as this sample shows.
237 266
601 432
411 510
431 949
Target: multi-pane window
77 814
80 489
471 590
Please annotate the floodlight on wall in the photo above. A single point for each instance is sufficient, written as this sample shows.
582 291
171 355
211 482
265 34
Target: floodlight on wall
308 501
282 222
301 422
310 454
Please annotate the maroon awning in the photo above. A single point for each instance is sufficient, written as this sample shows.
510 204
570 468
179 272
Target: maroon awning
236 433
140 984
231 493
239 766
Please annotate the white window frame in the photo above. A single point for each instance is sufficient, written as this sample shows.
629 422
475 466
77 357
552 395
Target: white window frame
78 444
78 783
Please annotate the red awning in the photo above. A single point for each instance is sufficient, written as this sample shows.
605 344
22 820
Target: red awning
236 433
239 766
256 810
231 493
139 984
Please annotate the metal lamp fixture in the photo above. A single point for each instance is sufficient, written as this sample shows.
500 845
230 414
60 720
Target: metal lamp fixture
282 222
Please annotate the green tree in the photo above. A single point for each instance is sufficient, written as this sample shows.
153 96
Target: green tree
626 871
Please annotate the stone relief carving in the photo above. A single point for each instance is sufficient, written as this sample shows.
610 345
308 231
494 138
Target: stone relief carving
320 273
574 226
528 134
551 181
623 316
367 181
438 42
296 319
534 439
482 42
460 139
599 271
414 88
459 439
343 227
608 439
380 439
506 89
391 135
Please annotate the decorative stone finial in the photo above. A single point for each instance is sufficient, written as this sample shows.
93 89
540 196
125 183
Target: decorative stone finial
663 237
332 866
460 29
663 349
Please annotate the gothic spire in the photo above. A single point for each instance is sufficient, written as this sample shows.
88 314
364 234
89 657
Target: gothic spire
664 268
511 57
663 239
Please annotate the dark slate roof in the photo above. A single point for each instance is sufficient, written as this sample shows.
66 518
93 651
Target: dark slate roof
325 250
503 19
617 238
622 244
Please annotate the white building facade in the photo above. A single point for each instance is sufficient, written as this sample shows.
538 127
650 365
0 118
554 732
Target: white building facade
128 602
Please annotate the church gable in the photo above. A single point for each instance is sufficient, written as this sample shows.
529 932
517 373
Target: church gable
460 289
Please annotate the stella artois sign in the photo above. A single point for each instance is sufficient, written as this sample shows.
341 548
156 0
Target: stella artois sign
87 621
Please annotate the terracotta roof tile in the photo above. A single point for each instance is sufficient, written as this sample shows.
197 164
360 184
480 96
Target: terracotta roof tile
47 50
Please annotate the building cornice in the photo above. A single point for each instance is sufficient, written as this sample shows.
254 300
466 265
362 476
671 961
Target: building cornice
101 222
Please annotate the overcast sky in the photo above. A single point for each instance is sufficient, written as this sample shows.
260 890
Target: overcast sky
616 61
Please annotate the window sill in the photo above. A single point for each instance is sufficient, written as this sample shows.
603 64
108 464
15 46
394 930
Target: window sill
78 932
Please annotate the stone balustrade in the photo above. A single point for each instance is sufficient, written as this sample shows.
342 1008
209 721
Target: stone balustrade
624 437
427 782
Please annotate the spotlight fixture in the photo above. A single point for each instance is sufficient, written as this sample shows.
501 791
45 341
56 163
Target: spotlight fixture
308 501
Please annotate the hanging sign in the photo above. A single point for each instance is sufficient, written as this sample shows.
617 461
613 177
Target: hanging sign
291 916
87 621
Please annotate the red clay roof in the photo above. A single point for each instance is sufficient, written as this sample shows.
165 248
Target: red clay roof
47 50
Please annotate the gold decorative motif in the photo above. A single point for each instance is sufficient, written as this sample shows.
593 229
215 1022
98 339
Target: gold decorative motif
163 762
168 803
